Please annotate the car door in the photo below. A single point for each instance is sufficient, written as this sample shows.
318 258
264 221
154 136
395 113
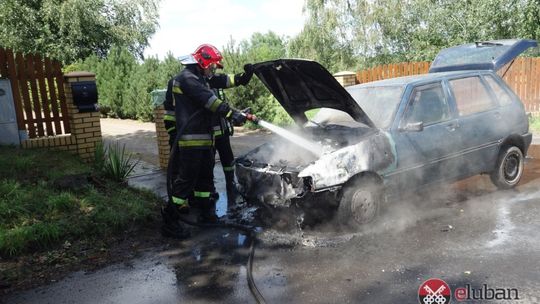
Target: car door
425 138
482 125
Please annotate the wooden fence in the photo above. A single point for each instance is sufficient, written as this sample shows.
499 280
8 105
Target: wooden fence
38 91
392 70
523 77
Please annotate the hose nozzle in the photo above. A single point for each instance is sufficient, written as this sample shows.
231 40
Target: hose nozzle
252 118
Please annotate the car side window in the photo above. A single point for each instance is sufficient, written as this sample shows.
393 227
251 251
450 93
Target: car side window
502 95
471 95
428 105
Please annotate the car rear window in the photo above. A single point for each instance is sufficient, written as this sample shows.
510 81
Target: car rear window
502 95
471 95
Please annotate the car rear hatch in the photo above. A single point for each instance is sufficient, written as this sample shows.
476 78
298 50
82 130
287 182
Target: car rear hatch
486 55
301 85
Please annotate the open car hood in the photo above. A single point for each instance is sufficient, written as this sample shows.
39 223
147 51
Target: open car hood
301 85
486 55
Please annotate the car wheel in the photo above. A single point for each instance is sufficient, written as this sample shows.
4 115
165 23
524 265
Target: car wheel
359 204
509 168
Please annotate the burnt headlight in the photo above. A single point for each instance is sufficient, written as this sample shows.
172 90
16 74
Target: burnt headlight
308 184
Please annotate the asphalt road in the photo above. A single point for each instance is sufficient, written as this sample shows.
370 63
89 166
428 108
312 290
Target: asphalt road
464 233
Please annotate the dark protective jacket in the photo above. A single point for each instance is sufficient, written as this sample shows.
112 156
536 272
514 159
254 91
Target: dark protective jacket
221 126
188 93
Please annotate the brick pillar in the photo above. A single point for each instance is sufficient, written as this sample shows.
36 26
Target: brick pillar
346 78
85 127
162 137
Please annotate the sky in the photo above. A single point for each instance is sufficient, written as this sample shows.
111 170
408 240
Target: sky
186 24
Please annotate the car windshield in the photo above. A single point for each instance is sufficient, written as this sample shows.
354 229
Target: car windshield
379 102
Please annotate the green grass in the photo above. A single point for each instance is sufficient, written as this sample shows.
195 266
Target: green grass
534 124
37 214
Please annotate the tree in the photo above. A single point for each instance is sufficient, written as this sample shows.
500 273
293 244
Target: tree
260 47
341 33
124 83
75 29
114 80
325 36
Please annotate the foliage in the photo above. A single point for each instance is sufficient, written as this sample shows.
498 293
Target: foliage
364 33
124 84
324 37
534 124
75 29
341 35
113 77
114 162
260 47
100 156
35 213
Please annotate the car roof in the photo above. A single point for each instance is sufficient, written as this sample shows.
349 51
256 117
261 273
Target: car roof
417 79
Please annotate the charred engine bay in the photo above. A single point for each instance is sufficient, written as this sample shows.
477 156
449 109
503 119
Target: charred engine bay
269 173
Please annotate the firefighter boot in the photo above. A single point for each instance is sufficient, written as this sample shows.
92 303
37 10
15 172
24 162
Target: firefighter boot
171 226
208 210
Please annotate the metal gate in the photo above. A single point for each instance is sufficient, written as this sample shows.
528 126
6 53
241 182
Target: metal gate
9 133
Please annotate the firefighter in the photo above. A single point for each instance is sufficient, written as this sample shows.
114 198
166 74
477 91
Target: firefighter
169 120
223 130
195 106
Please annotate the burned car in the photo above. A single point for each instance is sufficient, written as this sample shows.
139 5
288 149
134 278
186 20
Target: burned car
383 137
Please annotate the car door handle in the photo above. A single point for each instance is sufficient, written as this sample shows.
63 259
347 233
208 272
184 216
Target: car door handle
452 127
497 114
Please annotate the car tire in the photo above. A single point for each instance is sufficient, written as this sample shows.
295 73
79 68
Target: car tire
360 203
509 168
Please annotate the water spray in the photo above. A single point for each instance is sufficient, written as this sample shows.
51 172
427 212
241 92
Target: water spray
310 146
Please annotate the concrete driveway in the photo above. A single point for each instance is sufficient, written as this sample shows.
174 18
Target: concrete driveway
468 234
140 139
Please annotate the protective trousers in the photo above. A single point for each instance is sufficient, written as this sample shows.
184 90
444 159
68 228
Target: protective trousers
223 147
194 182
172 140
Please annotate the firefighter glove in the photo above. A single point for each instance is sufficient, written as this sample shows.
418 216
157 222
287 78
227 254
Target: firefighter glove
223 109
238 118
245 77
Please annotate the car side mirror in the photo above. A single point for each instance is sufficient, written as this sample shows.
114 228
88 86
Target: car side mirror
413 127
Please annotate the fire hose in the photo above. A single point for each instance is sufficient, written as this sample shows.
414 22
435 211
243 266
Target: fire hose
250 230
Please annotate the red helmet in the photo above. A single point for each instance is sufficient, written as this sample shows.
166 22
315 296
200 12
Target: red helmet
206 54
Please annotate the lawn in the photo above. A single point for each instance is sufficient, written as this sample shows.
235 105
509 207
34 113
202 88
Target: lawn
50 198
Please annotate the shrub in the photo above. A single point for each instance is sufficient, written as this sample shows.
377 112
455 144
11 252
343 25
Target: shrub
117 163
